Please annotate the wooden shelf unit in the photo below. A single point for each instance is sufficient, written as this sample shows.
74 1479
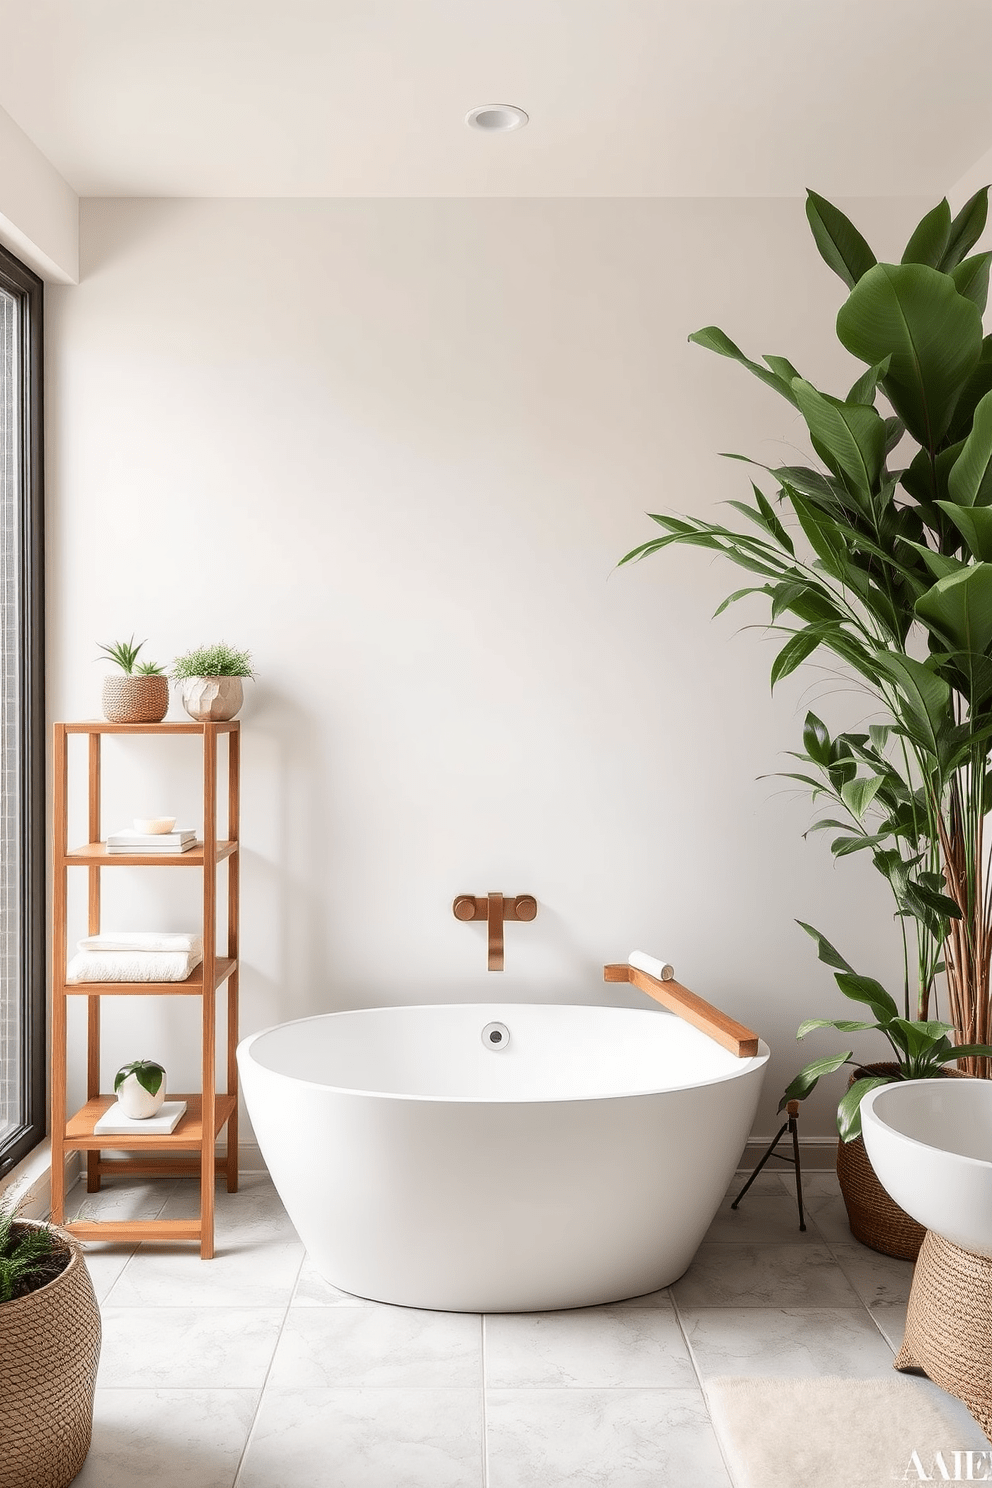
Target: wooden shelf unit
197 1133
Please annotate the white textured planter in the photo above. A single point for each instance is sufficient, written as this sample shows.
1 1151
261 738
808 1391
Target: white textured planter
135 1101
212 699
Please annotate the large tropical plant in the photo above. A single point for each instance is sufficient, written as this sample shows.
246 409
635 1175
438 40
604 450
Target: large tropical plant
880 552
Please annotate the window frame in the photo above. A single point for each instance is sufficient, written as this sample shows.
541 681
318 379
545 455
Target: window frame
18 280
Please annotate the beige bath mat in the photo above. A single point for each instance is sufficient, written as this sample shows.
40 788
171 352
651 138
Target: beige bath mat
843 1433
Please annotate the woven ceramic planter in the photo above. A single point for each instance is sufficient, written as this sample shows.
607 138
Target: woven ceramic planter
135 699
49 1352
875 1218
212 699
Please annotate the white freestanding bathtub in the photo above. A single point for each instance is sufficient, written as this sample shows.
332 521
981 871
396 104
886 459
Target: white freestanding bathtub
578 1159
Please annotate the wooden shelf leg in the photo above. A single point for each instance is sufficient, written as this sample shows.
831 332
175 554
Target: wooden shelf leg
92 1083
233 947
232 1085
208 1149
93 919
60 838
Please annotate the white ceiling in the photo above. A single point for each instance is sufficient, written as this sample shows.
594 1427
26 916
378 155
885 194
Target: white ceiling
626 97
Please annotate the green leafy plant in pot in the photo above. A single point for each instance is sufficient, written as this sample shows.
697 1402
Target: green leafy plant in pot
212 681
880 553
140 1088
50 1338
921 1049
141 693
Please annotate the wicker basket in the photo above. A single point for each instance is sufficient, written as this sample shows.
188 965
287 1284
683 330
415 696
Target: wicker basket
949 1324
135 699
875 1218
49 1352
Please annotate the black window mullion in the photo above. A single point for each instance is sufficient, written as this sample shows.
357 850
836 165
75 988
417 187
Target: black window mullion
27 289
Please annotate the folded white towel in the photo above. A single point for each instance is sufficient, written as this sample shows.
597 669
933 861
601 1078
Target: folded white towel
131 966
652 965
141 940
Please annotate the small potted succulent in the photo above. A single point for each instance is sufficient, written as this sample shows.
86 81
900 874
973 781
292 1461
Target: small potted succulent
211 678
50 1348
141 693
140 1088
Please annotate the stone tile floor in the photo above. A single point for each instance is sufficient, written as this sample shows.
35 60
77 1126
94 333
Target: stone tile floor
249 1371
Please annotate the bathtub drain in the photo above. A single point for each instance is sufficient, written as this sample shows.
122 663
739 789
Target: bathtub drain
496 1036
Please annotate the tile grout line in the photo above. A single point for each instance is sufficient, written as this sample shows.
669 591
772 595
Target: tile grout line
702 1388
831 1245
243 1459
170 1190
485 1415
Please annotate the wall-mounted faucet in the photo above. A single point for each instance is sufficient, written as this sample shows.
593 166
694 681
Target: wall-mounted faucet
495 908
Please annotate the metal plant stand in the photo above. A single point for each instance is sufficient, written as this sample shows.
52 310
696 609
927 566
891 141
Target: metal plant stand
791 1126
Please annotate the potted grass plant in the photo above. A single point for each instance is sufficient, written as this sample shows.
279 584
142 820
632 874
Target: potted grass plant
49 1352
212 681
877 555
141 693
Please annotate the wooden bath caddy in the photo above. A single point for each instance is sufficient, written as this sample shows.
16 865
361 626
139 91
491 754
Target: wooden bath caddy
678 999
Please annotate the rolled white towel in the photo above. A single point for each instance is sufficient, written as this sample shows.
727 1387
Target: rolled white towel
131 966
643 962
142 940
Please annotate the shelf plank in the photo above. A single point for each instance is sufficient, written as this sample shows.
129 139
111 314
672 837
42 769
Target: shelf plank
102 726
95 855
188 1134
134 1229
134 1165
224 967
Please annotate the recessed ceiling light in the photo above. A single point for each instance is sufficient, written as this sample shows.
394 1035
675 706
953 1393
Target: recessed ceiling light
496 118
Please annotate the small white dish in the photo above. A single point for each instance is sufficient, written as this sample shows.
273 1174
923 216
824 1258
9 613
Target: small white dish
154 826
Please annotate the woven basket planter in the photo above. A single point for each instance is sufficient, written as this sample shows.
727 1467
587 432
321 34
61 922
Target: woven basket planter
49 1352
949 1324
875 1218
135 699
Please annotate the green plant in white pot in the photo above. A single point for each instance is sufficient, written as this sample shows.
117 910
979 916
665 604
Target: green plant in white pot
140 1088
212 681
141 693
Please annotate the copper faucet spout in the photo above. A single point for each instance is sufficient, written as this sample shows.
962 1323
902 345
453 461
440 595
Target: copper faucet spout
494 914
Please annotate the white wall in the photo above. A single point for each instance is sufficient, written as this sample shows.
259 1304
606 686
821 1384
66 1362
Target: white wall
974 178
396 448
39 211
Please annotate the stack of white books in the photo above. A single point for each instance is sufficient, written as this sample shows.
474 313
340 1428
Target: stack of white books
127 841
113 1122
